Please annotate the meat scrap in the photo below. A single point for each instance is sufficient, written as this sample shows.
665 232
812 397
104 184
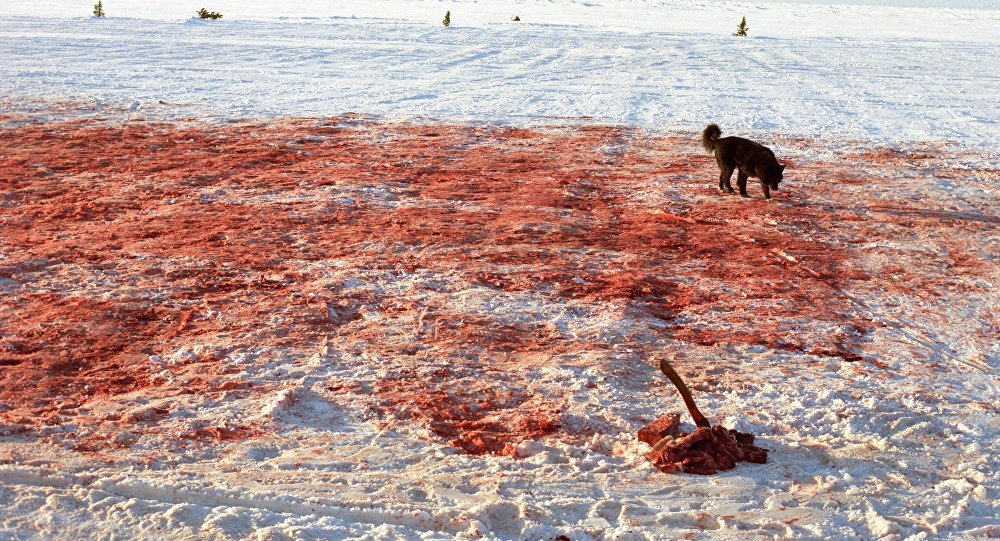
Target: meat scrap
667 425
705 451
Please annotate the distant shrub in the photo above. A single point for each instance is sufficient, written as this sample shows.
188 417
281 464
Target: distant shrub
741 29
205 14
447 19
98 9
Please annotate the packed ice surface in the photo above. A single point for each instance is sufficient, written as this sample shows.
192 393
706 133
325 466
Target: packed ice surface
232 309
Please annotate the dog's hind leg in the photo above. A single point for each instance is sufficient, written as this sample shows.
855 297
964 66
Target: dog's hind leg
741 181
725 174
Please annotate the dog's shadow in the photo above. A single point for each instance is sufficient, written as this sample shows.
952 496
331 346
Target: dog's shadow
952 215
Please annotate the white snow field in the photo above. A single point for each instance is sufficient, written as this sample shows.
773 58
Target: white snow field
866 72
899 102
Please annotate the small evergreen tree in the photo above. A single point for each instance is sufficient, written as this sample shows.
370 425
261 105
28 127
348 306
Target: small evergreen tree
205 14
741 29
98 9
447 18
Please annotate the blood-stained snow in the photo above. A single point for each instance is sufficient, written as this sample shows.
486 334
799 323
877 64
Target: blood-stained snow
277 319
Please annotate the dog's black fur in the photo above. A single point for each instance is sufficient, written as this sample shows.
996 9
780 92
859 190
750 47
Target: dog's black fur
752 159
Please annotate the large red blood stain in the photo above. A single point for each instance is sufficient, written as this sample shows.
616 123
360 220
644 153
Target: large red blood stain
222 217
477 418
950 228
74 348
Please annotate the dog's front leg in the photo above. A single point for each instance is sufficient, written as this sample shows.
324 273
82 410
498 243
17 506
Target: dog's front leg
767 190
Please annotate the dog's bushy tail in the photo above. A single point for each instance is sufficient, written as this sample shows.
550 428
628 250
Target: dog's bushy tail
710 137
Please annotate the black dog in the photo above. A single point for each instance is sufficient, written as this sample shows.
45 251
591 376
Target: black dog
752 159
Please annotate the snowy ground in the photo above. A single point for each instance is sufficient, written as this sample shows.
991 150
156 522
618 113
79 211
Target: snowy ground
233 309
670 66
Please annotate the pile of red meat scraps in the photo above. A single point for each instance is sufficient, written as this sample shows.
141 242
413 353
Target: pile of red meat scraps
704 451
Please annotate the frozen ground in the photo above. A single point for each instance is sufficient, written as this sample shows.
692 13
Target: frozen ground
234 310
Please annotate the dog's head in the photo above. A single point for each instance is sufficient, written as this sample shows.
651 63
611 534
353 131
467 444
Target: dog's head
774 175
